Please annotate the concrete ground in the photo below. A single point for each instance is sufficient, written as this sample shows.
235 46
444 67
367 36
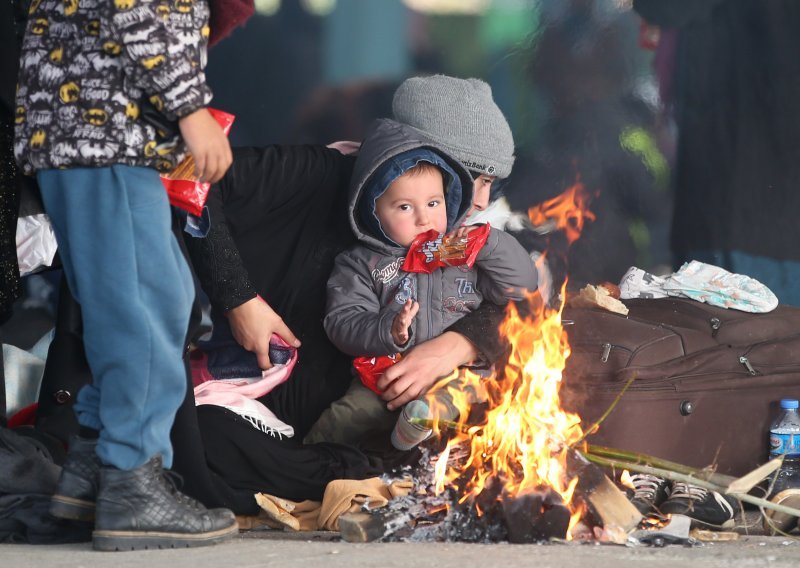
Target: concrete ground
278 549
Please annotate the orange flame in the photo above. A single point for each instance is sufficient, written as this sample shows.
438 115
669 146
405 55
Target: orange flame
526 435
570 211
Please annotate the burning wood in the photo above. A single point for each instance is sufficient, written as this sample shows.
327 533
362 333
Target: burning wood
535 515
606 503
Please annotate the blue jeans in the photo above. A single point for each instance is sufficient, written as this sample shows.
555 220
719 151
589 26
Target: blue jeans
125 268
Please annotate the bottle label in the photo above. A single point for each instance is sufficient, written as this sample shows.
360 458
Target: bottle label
783 444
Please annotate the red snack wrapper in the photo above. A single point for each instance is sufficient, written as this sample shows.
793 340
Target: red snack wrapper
370 369
183 189
432 250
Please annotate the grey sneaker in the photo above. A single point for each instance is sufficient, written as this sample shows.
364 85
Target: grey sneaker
142 509
75 494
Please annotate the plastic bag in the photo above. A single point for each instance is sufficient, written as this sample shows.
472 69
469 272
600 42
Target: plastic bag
370 369
182 187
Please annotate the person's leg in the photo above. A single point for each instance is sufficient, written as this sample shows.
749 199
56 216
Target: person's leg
66 371
359 414
124 268
253 461
191 456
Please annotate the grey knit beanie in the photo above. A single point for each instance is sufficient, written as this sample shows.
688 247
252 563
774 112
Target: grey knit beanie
461 116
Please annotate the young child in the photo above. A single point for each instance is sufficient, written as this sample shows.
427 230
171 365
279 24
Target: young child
109 94
401 188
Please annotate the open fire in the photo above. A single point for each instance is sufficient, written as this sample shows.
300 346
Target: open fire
510 469
522 445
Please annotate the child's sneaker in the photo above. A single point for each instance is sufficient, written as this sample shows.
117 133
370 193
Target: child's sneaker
649 492
707 508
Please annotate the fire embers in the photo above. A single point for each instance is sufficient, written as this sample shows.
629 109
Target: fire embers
537 514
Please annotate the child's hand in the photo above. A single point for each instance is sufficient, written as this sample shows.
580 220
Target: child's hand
208 145
461 232
402 321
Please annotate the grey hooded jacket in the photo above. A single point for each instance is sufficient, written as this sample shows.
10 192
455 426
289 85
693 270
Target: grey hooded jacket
368 287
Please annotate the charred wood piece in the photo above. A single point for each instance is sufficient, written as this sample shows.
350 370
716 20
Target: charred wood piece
535 515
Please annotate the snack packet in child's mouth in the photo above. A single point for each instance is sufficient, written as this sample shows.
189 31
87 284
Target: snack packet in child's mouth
432 250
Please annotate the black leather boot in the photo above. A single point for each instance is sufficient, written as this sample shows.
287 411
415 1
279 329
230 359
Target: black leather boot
76 491
141 509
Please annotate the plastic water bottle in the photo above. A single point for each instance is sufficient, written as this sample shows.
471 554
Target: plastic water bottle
784 439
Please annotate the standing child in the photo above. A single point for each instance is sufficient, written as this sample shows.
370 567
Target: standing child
104 87
402 188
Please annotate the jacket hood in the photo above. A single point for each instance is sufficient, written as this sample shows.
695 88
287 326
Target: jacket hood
386 140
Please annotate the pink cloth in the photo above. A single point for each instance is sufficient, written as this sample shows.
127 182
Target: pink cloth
239 395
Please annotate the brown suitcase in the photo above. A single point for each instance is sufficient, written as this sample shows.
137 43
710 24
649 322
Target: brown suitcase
694 400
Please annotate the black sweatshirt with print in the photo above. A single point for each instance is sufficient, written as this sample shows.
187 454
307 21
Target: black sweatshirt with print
103 82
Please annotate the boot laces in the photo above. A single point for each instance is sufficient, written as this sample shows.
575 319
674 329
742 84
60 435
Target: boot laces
683 490
645 486
173 482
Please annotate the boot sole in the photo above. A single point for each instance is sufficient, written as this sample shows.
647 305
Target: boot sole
72 509
113 541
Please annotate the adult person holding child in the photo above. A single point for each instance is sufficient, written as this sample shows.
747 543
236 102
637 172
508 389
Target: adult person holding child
278 220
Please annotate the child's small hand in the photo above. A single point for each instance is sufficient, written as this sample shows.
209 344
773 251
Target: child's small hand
402 321
208 145
461 232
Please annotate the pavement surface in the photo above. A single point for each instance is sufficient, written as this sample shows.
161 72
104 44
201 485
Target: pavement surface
279 549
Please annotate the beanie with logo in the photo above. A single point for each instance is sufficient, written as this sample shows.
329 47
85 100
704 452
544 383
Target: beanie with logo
461 116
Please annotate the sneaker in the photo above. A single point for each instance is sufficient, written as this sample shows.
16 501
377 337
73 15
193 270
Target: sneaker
75 494
776 522
649 492
143 509
706 508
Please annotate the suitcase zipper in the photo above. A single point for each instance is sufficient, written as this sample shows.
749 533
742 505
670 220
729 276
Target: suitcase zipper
746 362
716 323
606 352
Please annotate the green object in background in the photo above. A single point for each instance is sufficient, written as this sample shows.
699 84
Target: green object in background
639 142
509 24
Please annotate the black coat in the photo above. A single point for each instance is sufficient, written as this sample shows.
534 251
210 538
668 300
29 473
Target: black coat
278 221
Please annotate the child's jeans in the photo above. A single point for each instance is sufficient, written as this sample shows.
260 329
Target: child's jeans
124 267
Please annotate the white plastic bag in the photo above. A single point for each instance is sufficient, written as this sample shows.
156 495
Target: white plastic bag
36 243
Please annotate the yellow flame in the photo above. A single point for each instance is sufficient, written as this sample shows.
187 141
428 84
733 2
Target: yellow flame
526 433
625 479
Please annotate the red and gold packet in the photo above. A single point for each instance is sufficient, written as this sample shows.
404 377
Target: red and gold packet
432 250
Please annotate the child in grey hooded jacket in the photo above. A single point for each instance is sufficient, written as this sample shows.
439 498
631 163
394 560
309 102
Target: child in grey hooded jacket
404 185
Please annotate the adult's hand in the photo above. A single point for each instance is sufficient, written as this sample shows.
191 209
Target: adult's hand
422 366
253 323
207 144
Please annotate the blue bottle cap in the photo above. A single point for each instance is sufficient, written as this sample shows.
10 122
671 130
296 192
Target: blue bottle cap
789 403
